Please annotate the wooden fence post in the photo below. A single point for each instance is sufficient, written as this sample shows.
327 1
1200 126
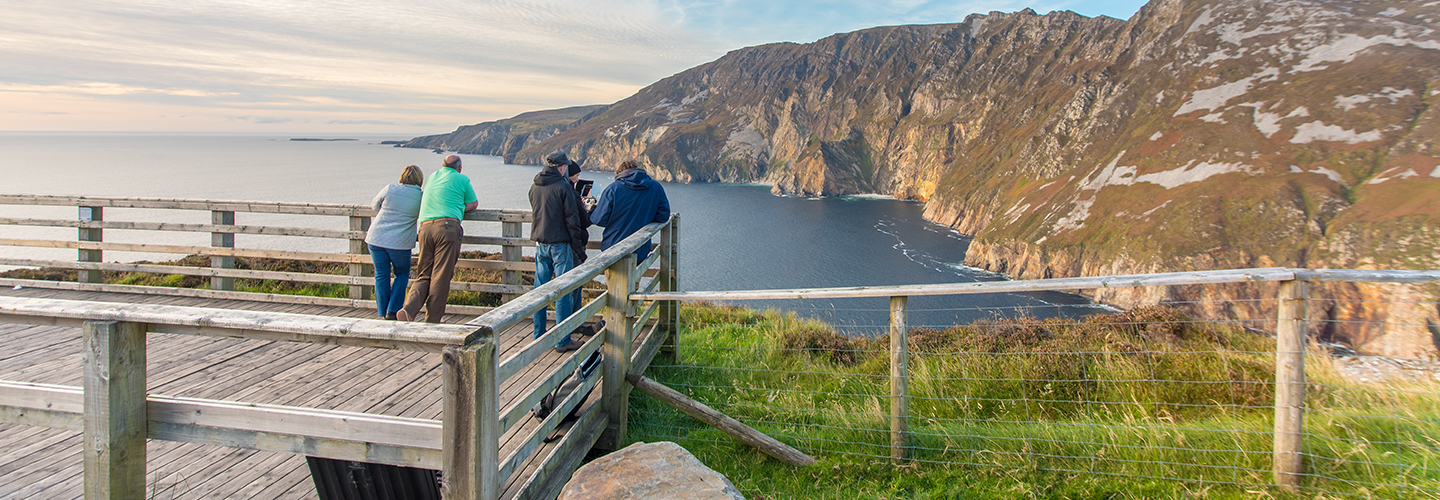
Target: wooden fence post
358 247
670 309
615 394
222 240
115 420
899 379
96 214
510 253
471 425
1290 383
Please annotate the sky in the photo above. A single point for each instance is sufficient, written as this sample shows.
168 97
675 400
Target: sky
404 67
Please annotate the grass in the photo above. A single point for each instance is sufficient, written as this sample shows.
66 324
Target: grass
1143 404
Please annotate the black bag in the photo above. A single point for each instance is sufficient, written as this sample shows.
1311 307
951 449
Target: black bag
557 396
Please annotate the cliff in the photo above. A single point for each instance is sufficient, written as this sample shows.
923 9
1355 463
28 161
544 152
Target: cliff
507 137
1199 134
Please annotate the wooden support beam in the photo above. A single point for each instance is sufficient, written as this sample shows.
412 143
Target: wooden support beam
90 213
615 394
222 240
115 422
899 379
510 253
669 309
471 446
361 269
1290 383
760 441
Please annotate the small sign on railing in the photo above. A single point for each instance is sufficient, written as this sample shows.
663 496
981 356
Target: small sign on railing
87 214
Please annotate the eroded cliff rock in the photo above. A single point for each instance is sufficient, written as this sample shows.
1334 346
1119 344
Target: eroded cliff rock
1199 134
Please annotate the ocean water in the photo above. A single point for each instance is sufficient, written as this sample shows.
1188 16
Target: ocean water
734 237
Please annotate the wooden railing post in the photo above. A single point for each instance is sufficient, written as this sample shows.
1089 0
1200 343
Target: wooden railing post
899 379
1290 383
359 269
510 253
222 240
670 309
471 425
115 420
96 214
615 393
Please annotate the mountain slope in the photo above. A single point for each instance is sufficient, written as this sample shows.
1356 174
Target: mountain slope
506 137
1199 134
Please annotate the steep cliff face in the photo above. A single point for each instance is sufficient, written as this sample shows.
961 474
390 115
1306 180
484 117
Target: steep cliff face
1199 134
507 137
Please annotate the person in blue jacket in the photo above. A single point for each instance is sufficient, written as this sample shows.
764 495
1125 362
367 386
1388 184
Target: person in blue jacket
633 201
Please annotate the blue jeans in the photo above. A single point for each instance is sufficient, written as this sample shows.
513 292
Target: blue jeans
390 297
551 261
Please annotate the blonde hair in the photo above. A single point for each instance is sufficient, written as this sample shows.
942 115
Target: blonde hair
412 176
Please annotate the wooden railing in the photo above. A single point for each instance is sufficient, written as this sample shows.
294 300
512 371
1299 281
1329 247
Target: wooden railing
112 407
605 423
93 221
117 416
1290 333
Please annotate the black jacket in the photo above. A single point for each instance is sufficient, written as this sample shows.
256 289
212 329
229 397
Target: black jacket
557 211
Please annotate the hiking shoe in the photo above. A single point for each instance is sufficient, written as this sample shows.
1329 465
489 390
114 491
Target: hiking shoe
567 347
402 315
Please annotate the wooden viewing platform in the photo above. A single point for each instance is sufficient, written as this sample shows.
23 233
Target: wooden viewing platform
238 387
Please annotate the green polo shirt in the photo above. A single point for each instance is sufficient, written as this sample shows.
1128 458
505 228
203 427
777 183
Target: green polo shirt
446 194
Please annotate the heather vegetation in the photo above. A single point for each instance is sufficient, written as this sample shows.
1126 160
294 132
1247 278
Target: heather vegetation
1147 403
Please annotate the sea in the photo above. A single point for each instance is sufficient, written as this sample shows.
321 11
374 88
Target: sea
733 237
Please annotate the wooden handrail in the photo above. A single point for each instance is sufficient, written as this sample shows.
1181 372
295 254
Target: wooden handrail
244 324
268 207
345 435
517 310
192 228
1124 281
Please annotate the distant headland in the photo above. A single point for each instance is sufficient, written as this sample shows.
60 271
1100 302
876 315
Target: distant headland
313 139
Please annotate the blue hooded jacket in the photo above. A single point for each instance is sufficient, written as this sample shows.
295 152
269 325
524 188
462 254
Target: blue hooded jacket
633 201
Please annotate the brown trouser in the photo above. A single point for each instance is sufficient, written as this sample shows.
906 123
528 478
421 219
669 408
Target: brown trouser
439 248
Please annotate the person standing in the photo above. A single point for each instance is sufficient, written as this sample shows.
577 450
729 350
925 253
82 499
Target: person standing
558 236
391 237
633 201
587 204
446 198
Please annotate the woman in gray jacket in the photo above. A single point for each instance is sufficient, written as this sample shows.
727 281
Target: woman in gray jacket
392 236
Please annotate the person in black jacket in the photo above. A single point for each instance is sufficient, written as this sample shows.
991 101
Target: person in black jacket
587 204
559 236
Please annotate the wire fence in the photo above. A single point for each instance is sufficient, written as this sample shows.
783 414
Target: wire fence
1134 392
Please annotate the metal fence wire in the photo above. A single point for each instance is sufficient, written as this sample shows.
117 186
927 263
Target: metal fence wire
1140 391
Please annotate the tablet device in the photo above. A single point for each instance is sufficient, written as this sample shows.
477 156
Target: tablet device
583 187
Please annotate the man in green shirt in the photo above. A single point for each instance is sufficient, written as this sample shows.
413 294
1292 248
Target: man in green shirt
448 195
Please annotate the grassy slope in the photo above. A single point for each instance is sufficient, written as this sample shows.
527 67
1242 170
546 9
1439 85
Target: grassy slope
1114 406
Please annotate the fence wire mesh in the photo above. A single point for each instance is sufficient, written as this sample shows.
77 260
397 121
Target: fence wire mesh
1133 393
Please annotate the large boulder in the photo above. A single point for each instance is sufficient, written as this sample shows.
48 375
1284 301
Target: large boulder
651 471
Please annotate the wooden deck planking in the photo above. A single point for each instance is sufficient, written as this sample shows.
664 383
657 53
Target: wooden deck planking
399 383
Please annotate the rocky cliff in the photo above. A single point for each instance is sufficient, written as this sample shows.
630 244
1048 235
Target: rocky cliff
1199 134
507 137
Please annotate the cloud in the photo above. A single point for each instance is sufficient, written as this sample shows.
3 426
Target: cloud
383 63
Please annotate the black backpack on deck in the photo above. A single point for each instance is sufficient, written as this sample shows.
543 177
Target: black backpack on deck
561 393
